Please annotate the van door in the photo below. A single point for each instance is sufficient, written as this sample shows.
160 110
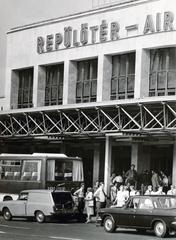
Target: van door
19 206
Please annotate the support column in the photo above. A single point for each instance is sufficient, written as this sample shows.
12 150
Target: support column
174 165
35 86
41 86
140 157
70 78
104 78
14 90
96 164
142 66
107 167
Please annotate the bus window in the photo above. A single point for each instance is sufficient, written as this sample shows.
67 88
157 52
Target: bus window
31 170
59 170
10 169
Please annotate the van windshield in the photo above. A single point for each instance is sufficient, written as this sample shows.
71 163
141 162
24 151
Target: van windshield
62 197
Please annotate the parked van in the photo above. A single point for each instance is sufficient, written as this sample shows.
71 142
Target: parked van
41 204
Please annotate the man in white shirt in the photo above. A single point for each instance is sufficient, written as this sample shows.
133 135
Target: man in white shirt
80 193
100 197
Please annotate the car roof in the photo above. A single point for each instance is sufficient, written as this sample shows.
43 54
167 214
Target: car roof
153 196
43 191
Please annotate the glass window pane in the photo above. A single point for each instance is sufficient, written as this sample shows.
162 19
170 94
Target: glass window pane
94 69
25 88
54 78
172 58
113 85
152 83
161 80
171 79
31 170
79 90
122 65
86 90
130 84
131 62
122 84
94 88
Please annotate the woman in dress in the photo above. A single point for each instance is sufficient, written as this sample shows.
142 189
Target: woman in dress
89 199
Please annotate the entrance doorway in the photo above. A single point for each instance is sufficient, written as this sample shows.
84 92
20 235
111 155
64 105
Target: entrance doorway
121 158
162 158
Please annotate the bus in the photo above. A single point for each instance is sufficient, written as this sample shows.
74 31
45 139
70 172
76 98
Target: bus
38 171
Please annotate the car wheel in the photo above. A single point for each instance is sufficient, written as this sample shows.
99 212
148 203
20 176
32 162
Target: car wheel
7 214
109 224
160 229
39 216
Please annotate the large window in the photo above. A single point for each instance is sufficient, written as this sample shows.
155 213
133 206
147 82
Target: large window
162 79
54 84
25 88
86 87
123 74
25 170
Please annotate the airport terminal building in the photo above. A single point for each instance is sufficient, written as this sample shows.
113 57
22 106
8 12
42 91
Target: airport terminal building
100 85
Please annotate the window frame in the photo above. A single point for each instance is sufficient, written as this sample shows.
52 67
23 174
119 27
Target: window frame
160 59
118 78
53 83
86 78
25 91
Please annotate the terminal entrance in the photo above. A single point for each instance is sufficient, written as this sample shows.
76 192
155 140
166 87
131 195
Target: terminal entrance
161 158
121 158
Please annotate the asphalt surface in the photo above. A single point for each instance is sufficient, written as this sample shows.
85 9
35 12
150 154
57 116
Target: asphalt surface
21 229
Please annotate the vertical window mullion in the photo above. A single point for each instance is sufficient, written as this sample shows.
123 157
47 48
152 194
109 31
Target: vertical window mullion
28 79
126 77
90 80
167 69
157 70
57 84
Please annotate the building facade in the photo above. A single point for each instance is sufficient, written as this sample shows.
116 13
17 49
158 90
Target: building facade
99 84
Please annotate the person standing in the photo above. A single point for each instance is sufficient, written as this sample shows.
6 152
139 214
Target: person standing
119 180
121 197
80 193
149 190
89 203
172 190
131 176
113 192
95 187
100 197
155 180
160 191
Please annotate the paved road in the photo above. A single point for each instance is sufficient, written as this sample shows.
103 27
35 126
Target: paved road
28 230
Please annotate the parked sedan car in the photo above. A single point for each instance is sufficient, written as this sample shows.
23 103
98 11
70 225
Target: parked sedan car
40 204
143 213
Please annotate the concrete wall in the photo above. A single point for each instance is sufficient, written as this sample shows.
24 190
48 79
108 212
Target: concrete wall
22 46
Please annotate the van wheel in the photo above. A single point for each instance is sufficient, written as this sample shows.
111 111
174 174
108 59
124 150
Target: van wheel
7 214
160 229
40 217
109 224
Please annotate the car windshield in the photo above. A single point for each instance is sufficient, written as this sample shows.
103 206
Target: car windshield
62 197
168 202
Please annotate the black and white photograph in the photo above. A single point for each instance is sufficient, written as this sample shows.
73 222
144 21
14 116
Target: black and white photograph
87 119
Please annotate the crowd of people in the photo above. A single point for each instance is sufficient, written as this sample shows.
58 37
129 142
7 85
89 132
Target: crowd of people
122 186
